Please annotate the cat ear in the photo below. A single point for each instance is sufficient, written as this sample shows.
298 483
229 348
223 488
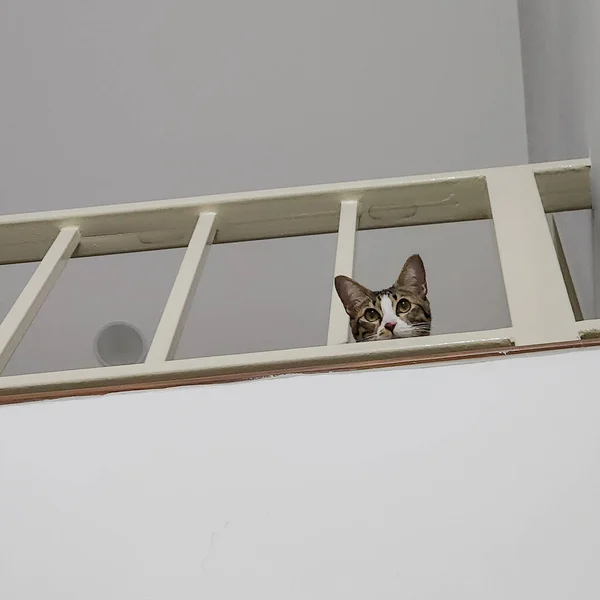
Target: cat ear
351 294
413 275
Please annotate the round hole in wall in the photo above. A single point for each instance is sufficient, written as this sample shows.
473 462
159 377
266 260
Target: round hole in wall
119 344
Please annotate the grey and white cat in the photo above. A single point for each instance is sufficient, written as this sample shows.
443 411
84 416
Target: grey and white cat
399 311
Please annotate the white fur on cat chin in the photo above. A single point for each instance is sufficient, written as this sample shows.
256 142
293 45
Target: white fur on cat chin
401 330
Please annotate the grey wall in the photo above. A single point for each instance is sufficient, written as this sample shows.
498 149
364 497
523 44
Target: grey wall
554 40
127 100
557 62
594 135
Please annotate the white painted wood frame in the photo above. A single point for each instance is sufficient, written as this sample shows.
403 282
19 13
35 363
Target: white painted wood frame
23 311
344 263
537 295
172 321
515 197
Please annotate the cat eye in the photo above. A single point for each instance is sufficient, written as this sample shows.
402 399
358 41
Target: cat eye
371 315
403 305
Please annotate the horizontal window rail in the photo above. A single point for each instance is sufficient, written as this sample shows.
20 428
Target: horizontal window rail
542 302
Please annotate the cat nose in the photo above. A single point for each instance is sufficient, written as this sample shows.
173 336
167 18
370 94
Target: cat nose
390 326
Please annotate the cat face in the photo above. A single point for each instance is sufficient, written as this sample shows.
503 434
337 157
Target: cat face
397 312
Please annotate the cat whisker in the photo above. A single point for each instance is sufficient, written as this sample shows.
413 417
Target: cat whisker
370 338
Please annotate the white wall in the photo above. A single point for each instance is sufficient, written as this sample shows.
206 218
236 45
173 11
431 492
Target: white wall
452 482
128 100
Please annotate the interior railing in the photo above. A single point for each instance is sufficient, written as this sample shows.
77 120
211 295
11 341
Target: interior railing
542 300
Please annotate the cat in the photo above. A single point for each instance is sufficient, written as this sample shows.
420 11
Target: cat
400 311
